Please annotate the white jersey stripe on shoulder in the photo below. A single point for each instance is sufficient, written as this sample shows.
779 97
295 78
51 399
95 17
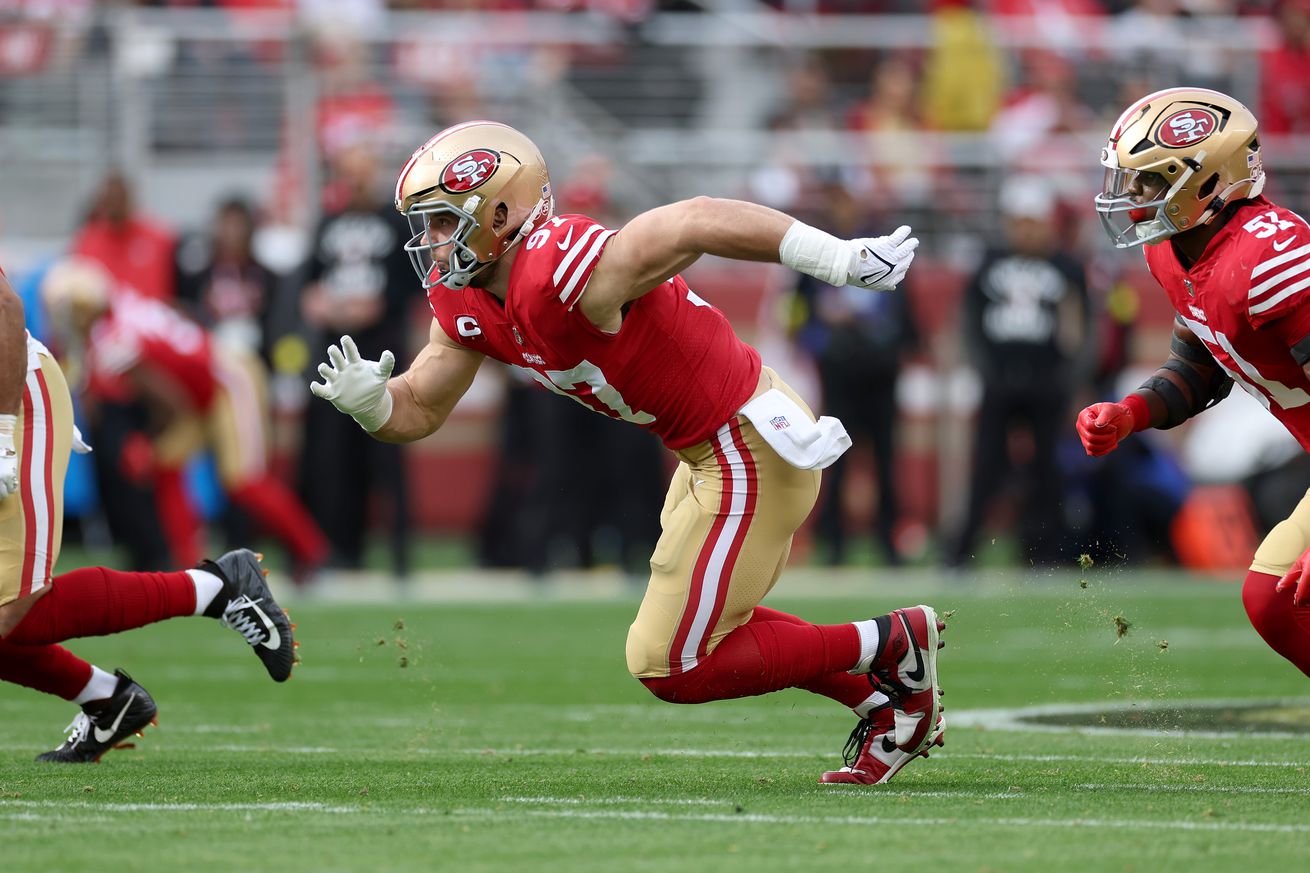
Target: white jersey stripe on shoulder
572 256
583 266
1266 266
1276 280
1271 302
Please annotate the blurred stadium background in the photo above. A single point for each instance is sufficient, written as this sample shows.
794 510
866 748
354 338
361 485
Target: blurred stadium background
903 112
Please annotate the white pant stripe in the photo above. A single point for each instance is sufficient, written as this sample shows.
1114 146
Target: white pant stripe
717 573
34 479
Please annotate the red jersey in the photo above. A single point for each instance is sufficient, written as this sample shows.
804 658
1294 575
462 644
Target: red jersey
675 366
143 331
138 253
1246 300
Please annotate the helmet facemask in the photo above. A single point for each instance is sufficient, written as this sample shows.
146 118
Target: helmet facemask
1130 221
461 262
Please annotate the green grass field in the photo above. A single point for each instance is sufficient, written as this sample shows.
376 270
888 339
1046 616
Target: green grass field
478 736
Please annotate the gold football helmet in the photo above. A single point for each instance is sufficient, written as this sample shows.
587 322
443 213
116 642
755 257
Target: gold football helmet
460 177
75 293
1174 160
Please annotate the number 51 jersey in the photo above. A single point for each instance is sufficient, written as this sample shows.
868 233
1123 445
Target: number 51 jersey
1246 300
675 366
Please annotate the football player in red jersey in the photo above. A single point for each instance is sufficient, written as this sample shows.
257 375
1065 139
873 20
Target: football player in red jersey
603 317
200 392
39 610
1183 179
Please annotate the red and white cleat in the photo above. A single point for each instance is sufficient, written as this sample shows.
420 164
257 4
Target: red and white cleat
872 757
906 671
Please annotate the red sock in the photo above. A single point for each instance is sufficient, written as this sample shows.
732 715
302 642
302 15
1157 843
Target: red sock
177 517
763 656
847 689
94 601
1286 628
276 510
52 669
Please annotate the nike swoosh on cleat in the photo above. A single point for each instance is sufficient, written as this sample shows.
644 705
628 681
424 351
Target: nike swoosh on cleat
915 675
103 736
274 640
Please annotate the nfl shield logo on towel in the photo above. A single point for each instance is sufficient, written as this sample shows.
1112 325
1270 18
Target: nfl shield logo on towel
780 422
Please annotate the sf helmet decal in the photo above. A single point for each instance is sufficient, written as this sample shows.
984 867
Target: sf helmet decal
469 170
1186 128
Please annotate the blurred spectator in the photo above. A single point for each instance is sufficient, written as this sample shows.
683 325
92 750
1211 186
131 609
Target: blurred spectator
1149 39
354 111
807 102
901 162
964 78
1285 72
358 281
1027 330
1039 112
135 249
1060 24
858 340
223 285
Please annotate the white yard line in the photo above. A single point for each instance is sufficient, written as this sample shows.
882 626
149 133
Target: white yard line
987 756
500 814
1187 789
284 806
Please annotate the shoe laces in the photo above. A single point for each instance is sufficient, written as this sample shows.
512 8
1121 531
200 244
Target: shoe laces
78 729
238 616
851 752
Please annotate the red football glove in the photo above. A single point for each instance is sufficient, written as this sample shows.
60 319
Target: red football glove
1299 576
1102 425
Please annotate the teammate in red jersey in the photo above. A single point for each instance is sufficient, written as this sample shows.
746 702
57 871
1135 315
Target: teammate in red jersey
603 317
1183 179
39 610
200 394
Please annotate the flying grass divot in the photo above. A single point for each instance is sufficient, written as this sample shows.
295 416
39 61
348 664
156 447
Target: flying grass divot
1121 626
1085 563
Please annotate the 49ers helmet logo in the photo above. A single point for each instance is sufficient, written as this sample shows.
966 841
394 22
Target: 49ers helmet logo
469 170
1186 128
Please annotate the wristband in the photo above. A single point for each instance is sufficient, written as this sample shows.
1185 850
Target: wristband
1138 410
378 414
815 253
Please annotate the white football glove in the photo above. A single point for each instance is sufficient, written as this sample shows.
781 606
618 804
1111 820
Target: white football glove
355 386
880 263
80 445
8 456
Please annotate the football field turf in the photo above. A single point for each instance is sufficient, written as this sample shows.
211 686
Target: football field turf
507 736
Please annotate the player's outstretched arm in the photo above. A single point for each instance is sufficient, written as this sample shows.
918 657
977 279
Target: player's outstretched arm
663 242
408 407
1185 385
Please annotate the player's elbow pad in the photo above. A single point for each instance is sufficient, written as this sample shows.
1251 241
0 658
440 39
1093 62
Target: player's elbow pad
1186 391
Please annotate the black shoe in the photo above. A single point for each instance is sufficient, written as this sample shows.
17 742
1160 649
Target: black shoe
247 606
104 724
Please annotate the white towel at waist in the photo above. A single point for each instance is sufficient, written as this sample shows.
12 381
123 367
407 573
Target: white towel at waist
805 444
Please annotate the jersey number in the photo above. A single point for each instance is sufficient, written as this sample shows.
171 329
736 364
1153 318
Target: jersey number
585 383
1246 375
1266 224
538 239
